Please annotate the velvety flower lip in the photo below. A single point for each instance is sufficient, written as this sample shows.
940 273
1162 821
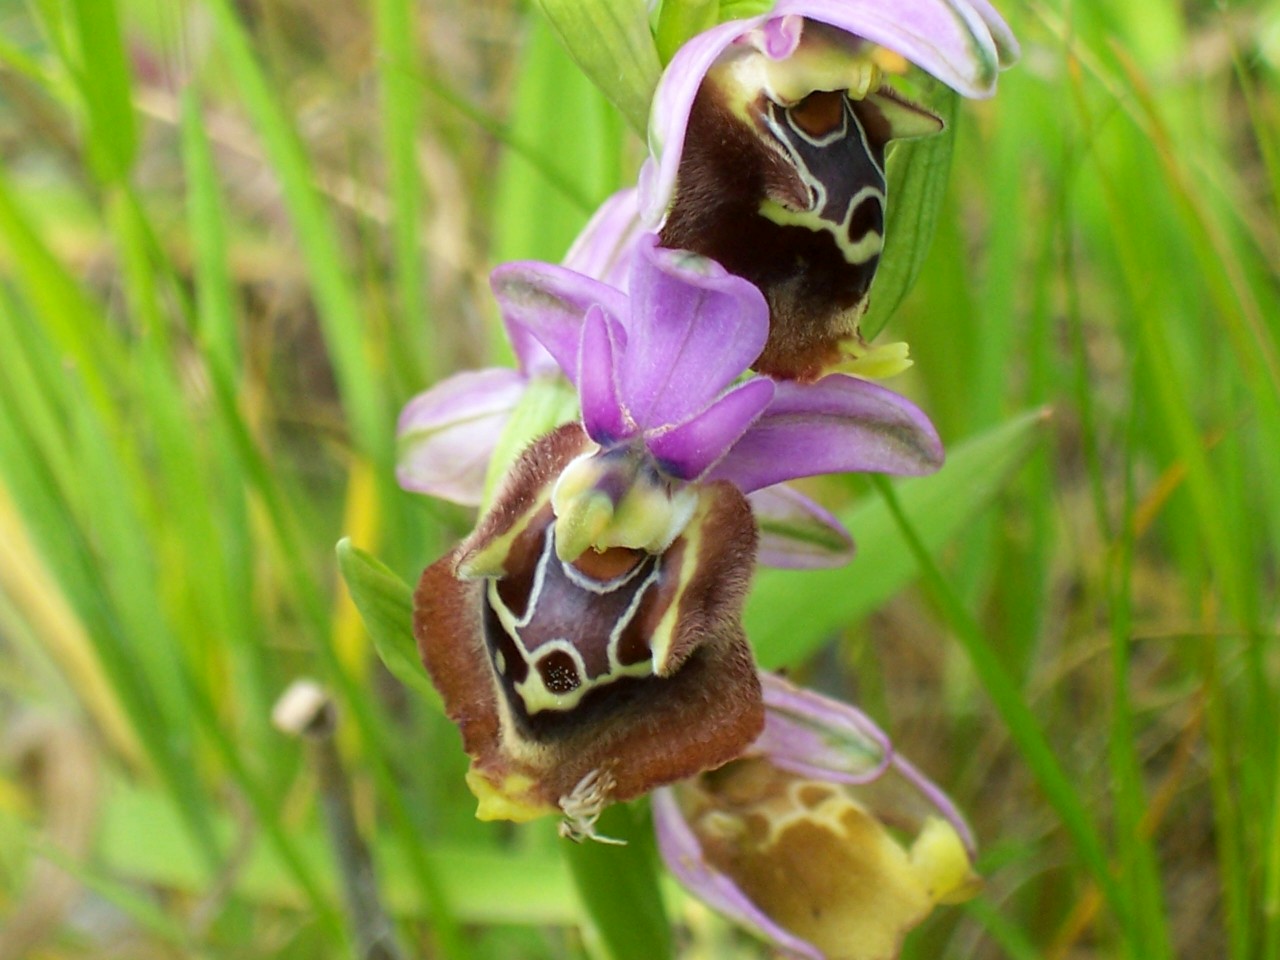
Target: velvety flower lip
580 683
963 43
791 839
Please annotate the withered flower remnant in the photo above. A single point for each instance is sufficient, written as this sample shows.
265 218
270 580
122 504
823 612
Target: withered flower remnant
822 839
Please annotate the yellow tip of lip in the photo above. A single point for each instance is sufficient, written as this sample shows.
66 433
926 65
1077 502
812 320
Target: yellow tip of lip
507 801
872 363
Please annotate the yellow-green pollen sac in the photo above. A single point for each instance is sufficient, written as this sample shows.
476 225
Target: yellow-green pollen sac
602 501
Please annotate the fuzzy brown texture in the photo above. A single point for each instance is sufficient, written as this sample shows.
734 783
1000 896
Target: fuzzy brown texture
641 732
446 623
535 470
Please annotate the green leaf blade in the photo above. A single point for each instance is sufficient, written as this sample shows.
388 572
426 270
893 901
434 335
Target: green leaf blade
939 504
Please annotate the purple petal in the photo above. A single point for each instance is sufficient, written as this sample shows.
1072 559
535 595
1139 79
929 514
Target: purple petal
796 533
693 328
547 303
692 448
962 46
778 37
447 435
669 116
603 249
532 358
814 736
1006 42
839 424
602 414
683 856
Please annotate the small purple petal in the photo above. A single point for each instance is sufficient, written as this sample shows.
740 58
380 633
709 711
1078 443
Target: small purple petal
602 414
682 854
946 38
603 249
693 328
547 303
778 38
447 434
839 424
692 448
814 736
796 533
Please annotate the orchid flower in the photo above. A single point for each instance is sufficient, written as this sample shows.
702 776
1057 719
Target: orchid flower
447 435
798 839
587 636
768 137
659 367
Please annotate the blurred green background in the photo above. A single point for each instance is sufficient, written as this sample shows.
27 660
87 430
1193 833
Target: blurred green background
237 235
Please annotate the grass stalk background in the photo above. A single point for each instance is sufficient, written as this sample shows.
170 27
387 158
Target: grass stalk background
235 238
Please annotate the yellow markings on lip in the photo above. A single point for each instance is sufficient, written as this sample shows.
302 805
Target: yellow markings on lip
511 799
664 634
490 561
867 246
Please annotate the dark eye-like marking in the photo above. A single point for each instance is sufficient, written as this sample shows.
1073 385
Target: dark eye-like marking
578 625
841 170
559 672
